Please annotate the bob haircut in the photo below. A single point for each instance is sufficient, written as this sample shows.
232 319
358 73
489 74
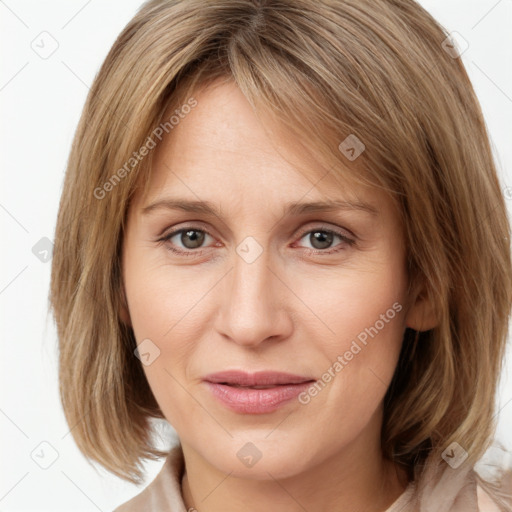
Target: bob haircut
326 70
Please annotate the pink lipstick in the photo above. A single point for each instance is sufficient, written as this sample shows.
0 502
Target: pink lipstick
256 393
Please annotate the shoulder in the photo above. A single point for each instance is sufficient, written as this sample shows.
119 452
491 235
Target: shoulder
444 489
485 502
164 492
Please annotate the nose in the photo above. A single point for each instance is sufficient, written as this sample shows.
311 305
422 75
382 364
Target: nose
253 306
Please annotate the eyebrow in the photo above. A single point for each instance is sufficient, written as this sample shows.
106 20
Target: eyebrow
290 209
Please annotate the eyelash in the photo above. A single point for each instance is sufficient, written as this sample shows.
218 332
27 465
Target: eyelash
193 252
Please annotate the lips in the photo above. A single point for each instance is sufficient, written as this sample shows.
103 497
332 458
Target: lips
256 393
262 379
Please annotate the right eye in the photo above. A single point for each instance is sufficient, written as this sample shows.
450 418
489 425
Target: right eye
188 240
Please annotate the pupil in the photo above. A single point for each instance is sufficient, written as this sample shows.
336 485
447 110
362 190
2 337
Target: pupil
195 236
321 239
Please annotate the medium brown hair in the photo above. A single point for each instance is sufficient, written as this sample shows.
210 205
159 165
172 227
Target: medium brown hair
326 69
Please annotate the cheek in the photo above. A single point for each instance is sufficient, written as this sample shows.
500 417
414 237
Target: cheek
166 306
363 315
161 297
350 301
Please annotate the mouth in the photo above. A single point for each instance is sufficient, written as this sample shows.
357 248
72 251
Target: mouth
250 387
256 393
257 380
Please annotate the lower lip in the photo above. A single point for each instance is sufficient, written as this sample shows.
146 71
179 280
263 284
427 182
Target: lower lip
256 401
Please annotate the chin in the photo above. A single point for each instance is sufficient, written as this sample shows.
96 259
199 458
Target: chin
259 459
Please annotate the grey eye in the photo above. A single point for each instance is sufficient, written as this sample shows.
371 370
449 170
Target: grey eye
321 239
192 238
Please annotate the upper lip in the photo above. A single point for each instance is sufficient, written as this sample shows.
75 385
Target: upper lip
261 378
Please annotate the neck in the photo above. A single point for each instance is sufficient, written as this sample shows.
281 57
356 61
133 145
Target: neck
346 481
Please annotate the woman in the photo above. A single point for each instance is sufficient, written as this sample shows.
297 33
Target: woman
282 231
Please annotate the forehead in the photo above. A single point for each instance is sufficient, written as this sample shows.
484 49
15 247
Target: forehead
223 149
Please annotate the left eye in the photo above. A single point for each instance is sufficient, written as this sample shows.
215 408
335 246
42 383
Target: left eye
322 239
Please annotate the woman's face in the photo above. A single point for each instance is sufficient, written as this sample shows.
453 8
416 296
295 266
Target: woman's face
261 286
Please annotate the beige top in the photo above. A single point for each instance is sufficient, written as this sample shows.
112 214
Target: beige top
163 494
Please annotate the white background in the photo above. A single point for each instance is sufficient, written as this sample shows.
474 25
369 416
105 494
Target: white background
41 101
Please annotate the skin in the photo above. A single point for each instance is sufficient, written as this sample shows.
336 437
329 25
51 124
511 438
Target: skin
290 310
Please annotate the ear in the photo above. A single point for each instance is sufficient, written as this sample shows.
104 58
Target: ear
422 313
